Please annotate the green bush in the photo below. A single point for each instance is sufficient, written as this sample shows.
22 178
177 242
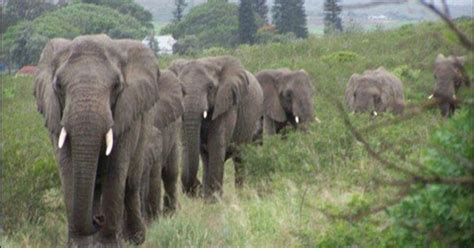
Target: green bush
213 24
341 57
24 42
443 214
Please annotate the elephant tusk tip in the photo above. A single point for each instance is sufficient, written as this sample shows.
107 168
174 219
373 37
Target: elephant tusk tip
431 96
62 138
204 114
109 141
297 119
317 120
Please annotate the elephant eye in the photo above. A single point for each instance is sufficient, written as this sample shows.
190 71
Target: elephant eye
57 84
288 94
210 85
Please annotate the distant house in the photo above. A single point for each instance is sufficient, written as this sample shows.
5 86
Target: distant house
27 70
165 43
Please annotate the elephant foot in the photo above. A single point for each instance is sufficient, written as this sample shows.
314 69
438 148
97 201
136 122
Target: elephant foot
137 238
135 233
108 242
194 190
80 241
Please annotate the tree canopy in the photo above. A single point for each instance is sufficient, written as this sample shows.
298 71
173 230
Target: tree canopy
24 41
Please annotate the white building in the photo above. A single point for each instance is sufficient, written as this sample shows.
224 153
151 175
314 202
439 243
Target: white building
165 43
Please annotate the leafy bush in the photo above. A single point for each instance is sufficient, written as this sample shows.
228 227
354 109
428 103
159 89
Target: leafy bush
443 214
214 23
25 41
127 7
187 45
405 73
341 57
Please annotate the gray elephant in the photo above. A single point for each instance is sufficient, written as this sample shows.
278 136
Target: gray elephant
450 74
222 104
288 99
375 91
96 95
161 158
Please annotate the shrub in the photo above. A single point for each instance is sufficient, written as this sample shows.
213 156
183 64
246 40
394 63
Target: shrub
187 45
214 23
341 57
25 41
443 214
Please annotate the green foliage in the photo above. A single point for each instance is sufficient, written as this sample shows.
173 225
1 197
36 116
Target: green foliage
24 42
341 57
212 23
247 25
188 45
443 214
406 74
14 11
332 20
178 12
261 9
127 7
289 16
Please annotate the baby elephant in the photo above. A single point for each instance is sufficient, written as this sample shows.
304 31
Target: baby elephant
288 100
161 157
375 91
450 75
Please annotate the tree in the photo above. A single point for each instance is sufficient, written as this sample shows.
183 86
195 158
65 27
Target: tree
289 16
261 9
20 10
247 25
332 21
178 12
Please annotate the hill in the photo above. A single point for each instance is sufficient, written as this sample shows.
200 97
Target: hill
293 183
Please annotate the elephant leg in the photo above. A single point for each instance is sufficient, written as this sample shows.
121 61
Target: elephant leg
154 194
239 171
218 139
269 126
113 196
170 177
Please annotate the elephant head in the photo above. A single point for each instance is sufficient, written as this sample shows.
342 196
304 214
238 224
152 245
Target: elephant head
90 90
288 96
211 87
375 92
449 74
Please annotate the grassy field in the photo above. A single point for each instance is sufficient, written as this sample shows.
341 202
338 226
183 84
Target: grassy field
294 185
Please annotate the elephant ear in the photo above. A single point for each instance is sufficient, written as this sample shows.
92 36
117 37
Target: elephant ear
140 73
232 86
169 106
350 90
54 54
271 103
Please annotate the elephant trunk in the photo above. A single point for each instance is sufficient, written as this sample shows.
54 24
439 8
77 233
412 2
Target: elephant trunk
192 141
87 134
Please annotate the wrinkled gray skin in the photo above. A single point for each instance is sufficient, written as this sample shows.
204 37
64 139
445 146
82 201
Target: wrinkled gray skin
88 86
375 91
222 105
288 99
161 157
449 74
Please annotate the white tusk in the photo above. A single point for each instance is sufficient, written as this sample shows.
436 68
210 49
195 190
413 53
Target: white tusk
109 141
317 119
62 138
297 120
431 96
454 97
204 114
375 113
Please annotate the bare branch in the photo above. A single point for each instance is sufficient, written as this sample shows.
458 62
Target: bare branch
469 44
445 8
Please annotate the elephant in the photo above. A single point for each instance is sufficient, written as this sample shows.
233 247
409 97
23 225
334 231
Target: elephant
449 74
96 96
288 100
222 104
161 156
375 91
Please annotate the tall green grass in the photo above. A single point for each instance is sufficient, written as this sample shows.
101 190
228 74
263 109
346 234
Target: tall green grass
291 184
